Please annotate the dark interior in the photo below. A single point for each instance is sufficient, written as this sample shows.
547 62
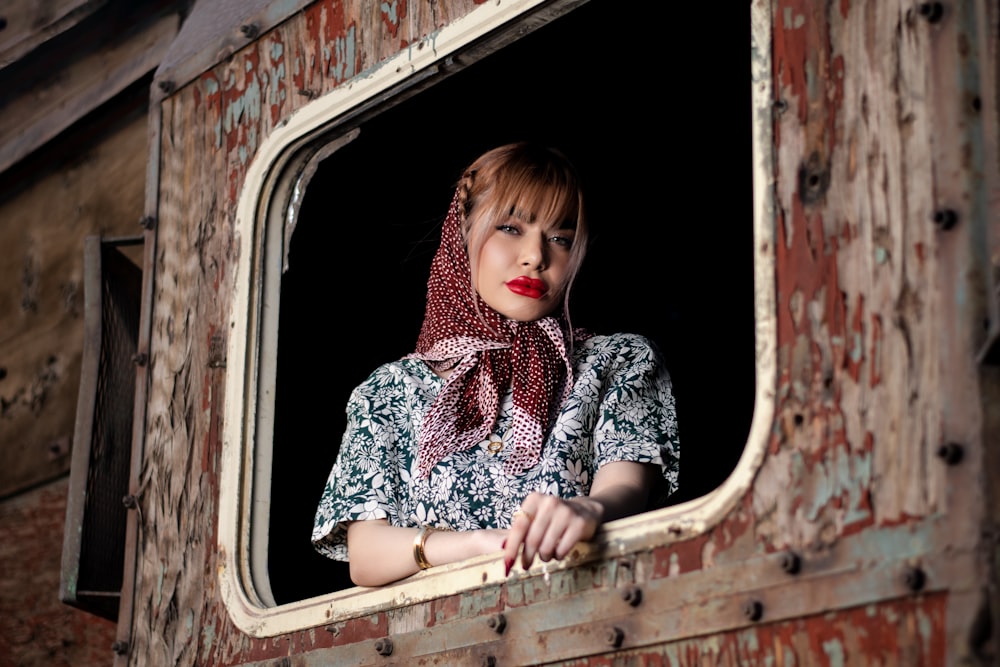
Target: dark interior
660 140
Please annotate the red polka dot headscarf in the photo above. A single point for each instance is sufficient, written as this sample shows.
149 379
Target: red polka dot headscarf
486 352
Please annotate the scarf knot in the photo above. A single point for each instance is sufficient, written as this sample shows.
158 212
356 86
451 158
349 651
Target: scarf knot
487 355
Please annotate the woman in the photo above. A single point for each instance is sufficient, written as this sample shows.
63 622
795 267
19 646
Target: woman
506 430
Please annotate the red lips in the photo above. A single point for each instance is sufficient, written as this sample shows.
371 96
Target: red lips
529 287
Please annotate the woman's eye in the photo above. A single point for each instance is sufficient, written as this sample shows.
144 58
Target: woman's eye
507 229
563 241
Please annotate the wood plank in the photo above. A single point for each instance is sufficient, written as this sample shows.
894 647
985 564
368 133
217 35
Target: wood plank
26 25
41 113
42 231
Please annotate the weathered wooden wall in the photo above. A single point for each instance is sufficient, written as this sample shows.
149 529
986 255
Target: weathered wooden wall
42 227
97 192
879 318
74 77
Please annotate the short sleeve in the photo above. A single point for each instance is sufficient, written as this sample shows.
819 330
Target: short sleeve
637 419
364 480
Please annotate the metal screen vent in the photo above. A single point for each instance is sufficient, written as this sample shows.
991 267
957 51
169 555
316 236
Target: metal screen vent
94 541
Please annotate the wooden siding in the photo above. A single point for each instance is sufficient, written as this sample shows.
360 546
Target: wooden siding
99 192
28 25
54 91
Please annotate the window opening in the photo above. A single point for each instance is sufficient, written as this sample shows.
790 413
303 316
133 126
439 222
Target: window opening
661 153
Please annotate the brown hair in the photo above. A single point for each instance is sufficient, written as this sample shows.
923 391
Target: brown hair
523 177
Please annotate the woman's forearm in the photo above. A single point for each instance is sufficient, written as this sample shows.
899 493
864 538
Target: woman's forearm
381 554
623 489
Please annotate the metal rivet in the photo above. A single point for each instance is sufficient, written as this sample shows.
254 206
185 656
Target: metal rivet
130 502
814 179
614 637
753 610
632 595
497 623
120 647
932 11
780 106
914 578
250 30
383 646
166 86
139 359
945 218
791 562
147 222
951 453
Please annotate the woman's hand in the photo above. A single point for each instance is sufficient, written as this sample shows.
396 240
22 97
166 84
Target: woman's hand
549 526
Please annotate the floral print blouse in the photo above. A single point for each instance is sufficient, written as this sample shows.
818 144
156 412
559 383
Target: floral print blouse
621 408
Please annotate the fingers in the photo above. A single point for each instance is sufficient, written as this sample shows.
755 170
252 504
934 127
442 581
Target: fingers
548 527
519 526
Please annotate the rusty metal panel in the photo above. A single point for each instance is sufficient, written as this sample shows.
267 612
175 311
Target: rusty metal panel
213 31
858 533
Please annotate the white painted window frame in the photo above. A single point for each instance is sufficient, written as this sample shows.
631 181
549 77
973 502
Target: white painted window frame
278 172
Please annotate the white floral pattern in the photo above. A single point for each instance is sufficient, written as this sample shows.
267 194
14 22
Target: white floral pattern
621 408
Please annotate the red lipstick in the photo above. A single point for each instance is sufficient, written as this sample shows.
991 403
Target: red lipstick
529 287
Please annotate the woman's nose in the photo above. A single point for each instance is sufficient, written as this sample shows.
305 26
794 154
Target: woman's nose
533 253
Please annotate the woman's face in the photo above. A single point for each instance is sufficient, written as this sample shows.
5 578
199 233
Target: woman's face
522 267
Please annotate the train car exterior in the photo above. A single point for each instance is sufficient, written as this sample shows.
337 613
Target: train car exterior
858 524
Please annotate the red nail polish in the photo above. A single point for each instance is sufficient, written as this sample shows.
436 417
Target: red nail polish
509 563
503 545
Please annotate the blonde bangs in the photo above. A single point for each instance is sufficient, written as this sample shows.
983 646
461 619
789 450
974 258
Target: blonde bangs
520 180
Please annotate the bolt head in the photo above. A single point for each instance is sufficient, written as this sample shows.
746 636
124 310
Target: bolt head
945 218
791 562
632 595
497 623
951 453
915 579
931 11
383 646
753 610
